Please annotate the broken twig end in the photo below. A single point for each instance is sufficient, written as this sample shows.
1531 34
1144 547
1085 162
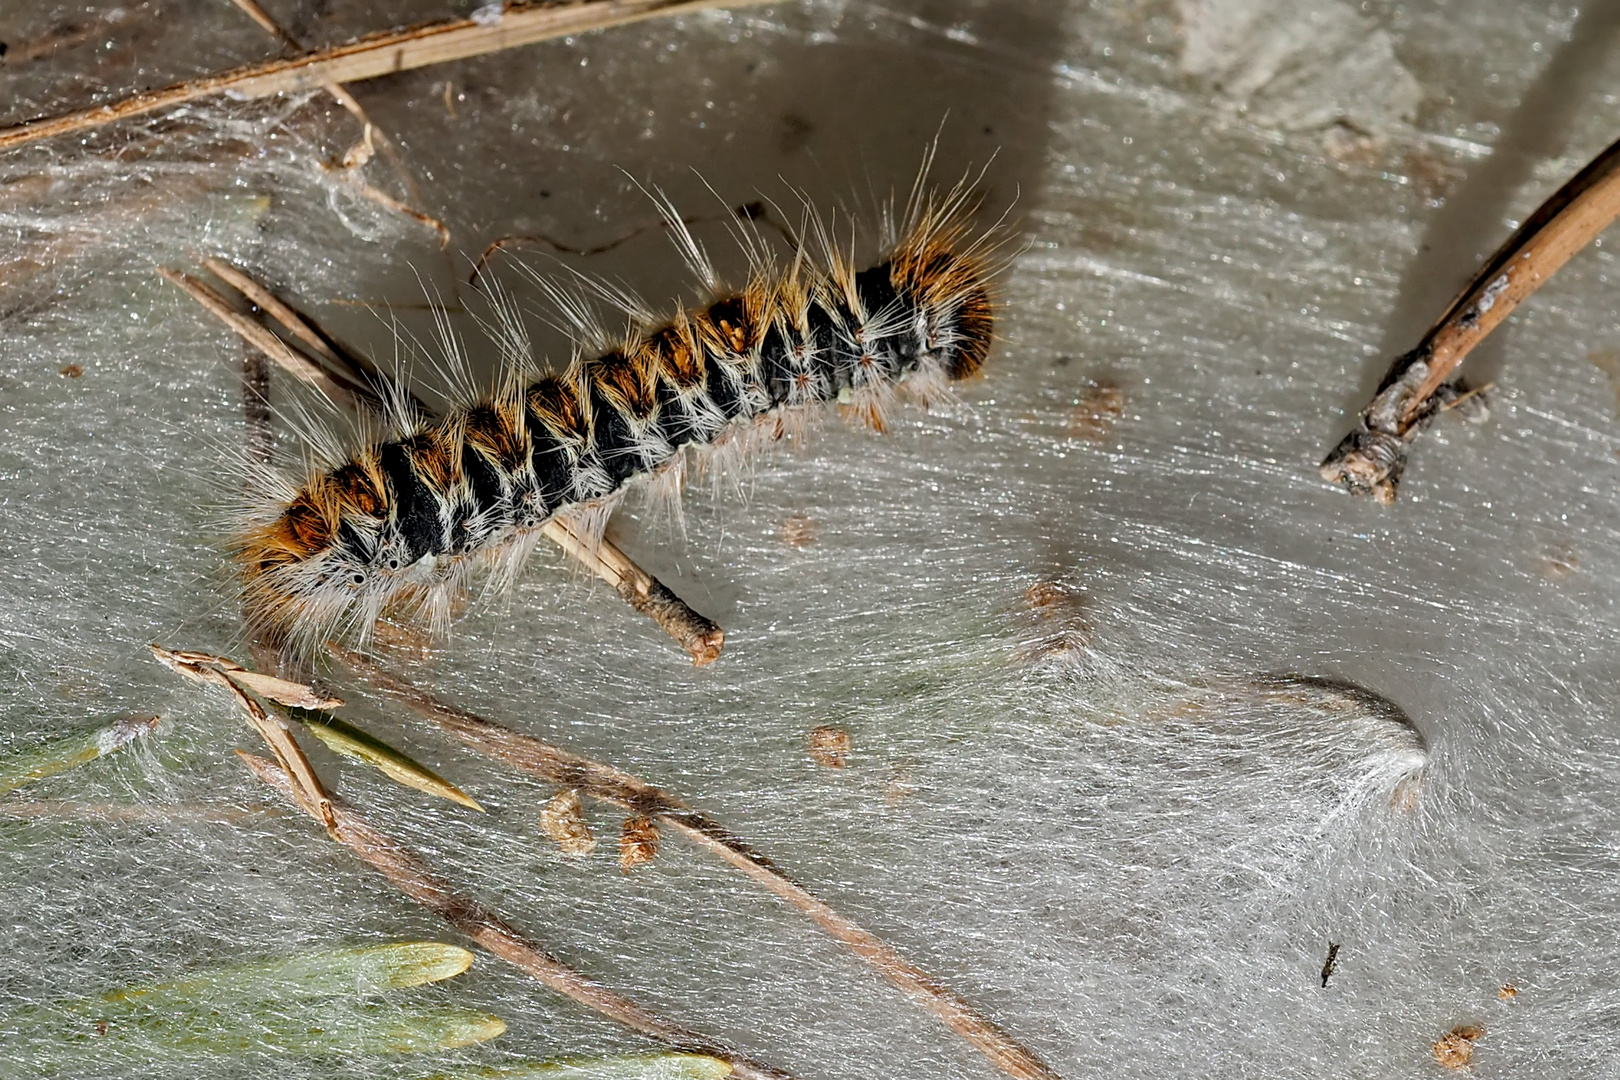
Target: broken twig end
1367 462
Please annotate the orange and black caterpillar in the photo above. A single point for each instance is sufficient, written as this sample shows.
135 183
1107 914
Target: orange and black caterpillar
403 522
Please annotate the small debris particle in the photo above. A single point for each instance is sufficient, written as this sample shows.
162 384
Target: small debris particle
563 820
793 133
1455 1049
1404 799
1471 404
829 746
1432 179
73 371
798 531
1046 596
1508 992
1559 561
1188 708
1332 961
1055 621
1094 415
1351 147
638 842
101 1027
1608 362
902 784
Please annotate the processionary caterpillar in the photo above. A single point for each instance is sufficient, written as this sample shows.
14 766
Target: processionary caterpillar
402 523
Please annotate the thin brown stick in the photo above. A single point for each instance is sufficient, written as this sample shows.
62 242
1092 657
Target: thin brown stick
388 202
347 366
749 211
1371 458
66 37
348 101
262 17
412 875
295 323
369 57
504 243
701 637
295 778
557 766
256 334
309 794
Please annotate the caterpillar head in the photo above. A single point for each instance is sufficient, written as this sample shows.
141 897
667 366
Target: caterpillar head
956 315
327 565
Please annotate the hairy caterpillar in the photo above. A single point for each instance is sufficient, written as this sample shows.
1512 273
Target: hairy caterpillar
401 523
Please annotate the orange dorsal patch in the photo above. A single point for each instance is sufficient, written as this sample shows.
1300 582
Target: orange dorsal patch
497 429
435 456
357 488
673 353
556 405
726 329
625 382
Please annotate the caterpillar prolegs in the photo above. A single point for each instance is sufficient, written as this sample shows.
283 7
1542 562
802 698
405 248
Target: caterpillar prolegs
402 523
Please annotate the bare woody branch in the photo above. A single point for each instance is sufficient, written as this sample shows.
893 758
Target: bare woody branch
371 134
334 90
1371 458
307 791
557 766
295 778
372 56
701 637
412 875
292 361
267 301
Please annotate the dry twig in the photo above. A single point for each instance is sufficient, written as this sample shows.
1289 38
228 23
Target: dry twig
370 134
308 792
343 391
554 765
65 36
354 370
377 54
412 875
295 778
266 300
757 211
701 637
1371 458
